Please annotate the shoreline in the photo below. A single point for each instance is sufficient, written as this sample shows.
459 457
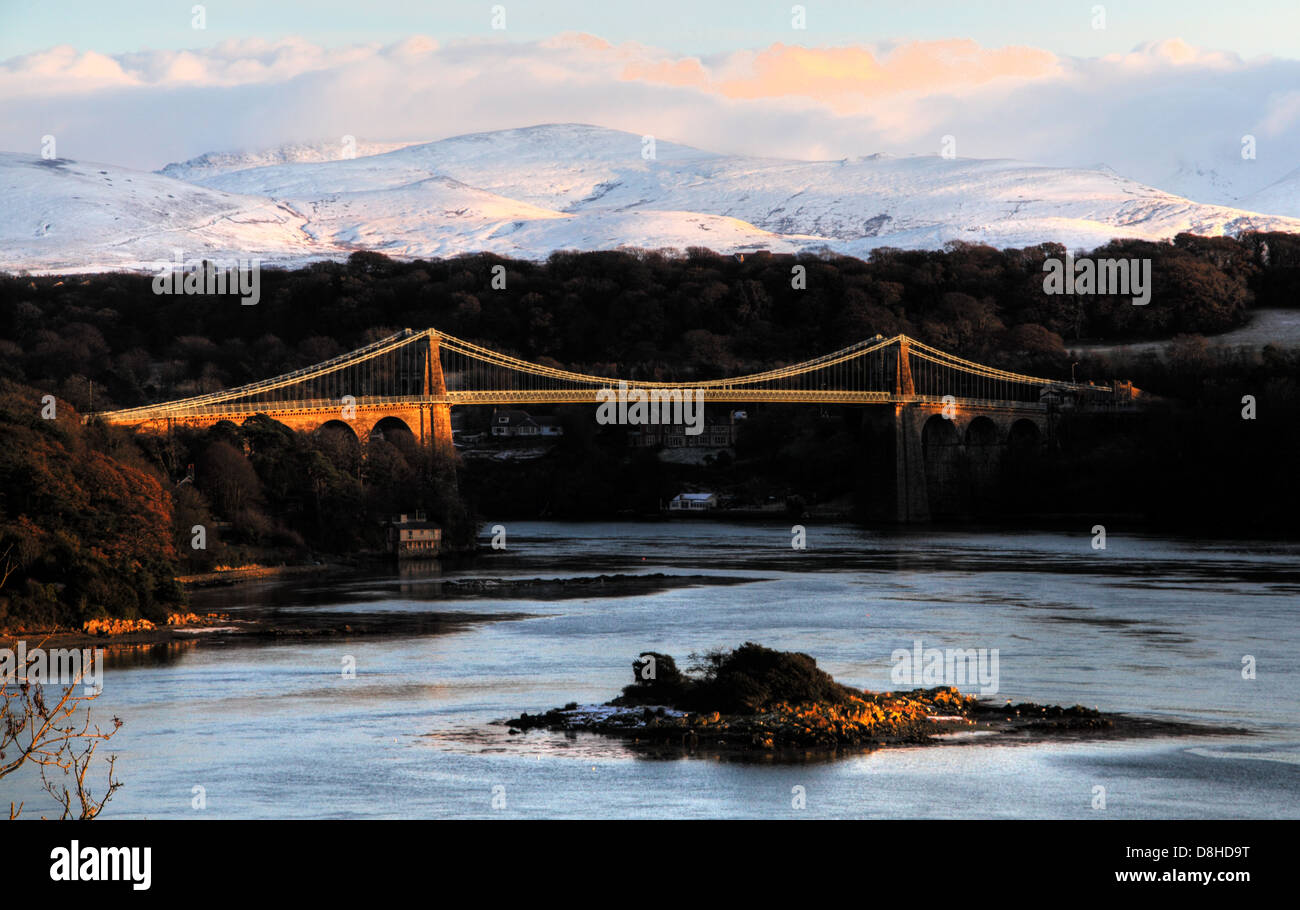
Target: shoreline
269 624
243 574
754 700
1046 522
788 735
262 628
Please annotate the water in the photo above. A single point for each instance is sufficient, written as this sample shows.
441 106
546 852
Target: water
1150 625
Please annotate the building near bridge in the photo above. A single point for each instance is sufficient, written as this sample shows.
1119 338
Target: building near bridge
693 502
510 423
411 535
715 434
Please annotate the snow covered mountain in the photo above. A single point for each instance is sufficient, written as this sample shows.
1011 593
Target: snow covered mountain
1282 196
527 192
65 215
1218 181
212 163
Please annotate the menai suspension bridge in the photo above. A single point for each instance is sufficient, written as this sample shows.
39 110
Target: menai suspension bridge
416 377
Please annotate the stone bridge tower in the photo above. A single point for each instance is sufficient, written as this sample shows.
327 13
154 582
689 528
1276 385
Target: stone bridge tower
941 456
435 417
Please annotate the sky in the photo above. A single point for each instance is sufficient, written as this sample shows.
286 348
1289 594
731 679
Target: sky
1250 27
1156 90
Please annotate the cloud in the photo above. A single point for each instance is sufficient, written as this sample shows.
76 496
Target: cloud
1163 106
849 79
1173 52
61 68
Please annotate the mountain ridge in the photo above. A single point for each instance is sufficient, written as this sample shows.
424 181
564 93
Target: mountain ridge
529 191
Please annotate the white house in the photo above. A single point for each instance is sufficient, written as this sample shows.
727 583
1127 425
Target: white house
693 502
513 422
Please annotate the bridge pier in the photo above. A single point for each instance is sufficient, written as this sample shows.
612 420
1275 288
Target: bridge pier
911 493
435 428
943 465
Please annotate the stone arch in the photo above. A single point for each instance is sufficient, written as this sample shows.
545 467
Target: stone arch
941 452
983 456
273 421
1021 466
1024 435
340 443
338 425
982 431
394 430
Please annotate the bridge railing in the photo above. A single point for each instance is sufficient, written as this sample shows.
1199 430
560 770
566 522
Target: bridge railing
870 371
315 405
558 396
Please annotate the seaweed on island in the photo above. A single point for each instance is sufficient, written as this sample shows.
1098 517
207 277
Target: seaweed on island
756 698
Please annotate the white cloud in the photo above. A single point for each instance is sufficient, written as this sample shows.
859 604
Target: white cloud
1163 105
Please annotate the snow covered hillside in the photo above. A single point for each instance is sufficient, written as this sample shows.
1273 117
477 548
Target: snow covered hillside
527 192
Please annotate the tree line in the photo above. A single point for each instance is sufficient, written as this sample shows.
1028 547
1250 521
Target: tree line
107 340
98 520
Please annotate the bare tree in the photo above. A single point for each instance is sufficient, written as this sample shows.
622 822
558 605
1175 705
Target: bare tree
10 565
52 736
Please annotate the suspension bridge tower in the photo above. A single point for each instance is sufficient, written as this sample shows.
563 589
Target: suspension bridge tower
435 415
911 501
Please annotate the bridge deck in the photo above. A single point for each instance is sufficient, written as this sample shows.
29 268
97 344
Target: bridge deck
412 370
462 399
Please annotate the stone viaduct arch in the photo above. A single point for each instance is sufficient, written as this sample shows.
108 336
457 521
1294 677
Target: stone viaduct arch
946 461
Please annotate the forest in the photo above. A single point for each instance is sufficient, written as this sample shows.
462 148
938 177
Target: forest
102 341
97 520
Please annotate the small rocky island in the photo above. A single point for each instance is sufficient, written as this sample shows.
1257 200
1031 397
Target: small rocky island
754 698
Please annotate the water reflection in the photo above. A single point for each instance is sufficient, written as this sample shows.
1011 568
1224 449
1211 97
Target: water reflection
1151 626
153 654
414 569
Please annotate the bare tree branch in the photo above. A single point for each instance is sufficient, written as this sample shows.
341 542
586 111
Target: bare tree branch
54 736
